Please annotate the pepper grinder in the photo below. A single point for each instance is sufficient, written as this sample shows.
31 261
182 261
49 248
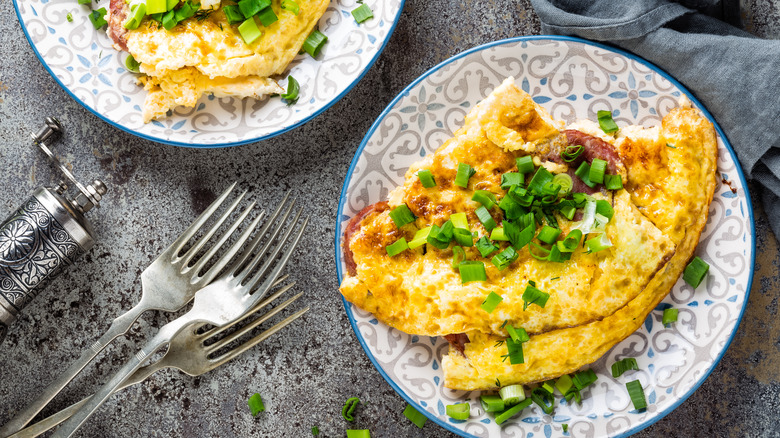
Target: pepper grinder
45 235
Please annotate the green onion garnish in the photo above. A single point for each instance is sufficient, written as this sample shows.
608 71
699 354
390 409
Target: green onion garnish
472 271
131 63
670 316
548 386
557 256
498 234
249 8
669 145
484 216
504 258
514 352
169 20
415 416
604 208
84 2
188 10
420 238
564 383
267 16
293 88
256 404
512 210
606 123
583 172
401 215
440 237
315 430
491 302
249 30
563 180
69 17
463 236
459 220
597 169
539 180
565 428
349 408
485 246
155 6
491 403
459 411
598 243
397 247
521 196
458 256
511 412
512 394
358 433
314 43
525 164
362 13
613 182
517 334
571 153
544 399
637 394
583 379
290 5
571 242
464 173
549 234
695 271
512 179
623 365
97 18
538 252
426 178
532 295
485 198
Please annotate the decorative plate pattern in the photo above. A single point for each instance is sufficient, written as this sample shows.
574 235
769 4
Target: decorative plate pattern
572 78
82 60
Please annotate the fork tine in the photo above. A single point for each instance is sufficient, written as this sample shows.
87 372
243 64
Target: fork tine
257 339
249 327
187 234
271 278
187 257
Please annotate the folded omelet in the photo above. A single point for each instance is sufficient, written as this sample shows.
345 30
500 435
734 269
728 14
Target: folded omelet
596 298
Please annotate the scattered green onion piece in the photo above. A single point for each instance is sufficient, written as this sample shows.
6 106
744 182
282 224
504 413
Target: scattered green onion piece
695 271
549 234
565 428
463 237
525 236
604 208
491 403
597 169
525 164
459 220
598 243
613 182
484 216
358 433
84 2
549 386
491 302
169 20
362 13
511 412
504 258
69 17
583 172
315 430
583 379
438 238
464 173
544 399
539 180
290 5
637 394
256 404
571 242
397 247
293 89
532 295
564 383
568 211
514 352
426 178
485 198
314 43
623 365
512 179
248 8
670 316
557 256
156 17
571 153
188 10
97 17
459 411
669 145
458 256
606 123
512 210
565 181
512 394
401 215
538 252
170 4
472 271
348 410
415 416
131 63
420 238
521 196
517 334
156 7
267 16
485 246
233 14
249 31
498 234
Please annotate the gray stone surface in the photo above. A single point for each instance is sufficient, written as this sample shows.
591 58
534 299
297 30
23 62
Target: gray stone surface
304 373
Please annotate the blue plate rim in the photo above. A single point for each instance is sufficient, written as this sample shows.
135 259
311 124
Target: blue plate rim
370 64
482 47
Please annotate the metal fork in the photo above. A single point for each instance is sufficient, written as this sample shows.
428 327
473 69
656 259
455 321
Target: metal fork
226 299
168 284
189 353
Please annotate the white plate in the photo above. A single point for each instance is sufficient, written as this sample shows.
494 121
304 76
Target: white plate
572 79
83 62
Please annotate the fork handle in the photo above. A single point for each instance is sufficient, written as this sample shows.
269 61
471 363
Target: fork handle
162 338
119 326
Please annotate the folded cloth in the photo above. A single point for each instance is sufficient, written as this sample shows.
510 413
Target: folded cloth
734 74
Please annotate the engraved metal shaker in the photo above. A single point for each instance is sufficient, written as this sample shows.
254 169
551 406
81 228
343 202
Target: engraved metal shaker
45 235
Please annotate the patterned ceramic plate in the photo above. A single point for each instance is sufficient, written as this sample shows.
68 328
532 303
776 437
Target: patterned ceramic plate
572 79
83 62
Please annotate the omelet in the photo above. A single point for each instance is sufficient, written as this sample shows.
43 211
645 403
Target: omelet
205 54
596 296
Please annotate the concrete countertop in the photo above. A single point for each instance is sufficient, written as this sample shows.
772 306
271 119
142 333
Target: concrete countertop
304 373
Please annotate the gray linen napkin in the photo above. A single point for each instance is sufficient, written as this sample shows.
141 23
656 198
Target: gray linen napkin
734 74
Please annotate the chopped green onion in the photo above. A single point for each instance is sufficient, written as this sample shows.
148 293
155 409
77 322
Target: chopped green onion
598 243
188 10
459 411
267 16
564 383
84 2
538 252
362 13
514 352
358 433
156 6
549 234
604 208
521 196
670 316
637 394
69 17
426 178
504 258
249 8
290 5
397 247
314 43
458 255
249 31
597 169
463 236
606 123
512 179
131 63
415 416
623 365
498 234
491 302
517 334
484 216
170 4
548 386
572 152
233 14
669 145
571 242
532 295
472 271
511 412
401 215
557 256
293 88
459 220
525 164
544 399
565 428
485 246
525 236
348 410
491 403
512 394
583 379
613 182
485 198
169 20
315 430
583 172
512 210
565 181
440 237
695 271
539 180
420 238
97 17
256 404
464 173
